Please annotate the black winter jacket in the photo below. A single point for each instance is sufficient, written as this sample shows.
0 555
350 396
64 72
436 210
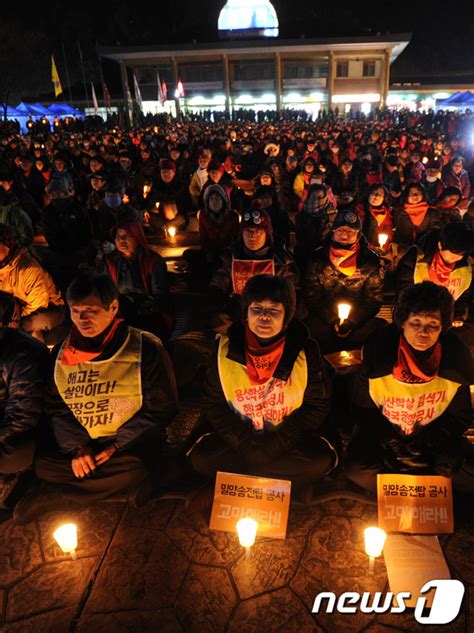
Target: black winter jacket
303 422
443 435
324 287
24 363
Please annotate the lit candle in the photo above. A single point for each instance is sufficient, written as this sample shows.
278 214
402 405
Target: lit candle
374 542
343 310
172 231
425 160
383 238
247 531
146 190
66 538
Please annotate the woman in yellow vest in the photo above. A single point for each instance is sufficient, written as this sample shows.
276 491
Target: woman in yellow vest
412 399
267 393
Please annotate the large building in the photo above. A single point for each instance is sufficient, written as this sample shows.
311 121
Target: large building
251 68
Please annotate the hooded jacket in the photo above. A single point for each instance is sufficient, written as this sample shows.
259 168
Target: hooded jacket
217 231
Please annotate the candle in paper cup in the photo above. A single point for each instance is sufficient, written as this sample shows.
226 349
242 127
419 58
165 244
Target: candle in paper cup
343 310
247 532
66 538
383 238
374 539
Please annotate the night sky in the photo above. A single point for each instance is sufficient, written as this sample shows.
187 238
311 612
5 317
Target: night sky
443 40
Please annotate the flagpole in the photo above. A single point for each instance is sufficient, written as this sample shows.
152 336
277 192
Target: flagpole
81 60
101 77
67 72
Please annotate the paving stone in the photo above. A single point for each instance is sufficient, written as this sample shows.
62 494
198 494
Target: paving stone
164 621
53 586
206 599
142 570
155 515
56 621
95 526
276 611
334 560
270 565
458 551
201 545
302 519
20 551
344 507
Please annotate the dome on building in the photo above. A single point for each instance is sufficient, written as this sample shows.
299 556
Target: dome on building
248 17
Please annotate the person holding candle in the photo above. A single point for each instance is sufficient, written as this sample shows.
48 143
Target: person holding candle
109 399
168 202
267 393
343 271
412 400
376 216
141 277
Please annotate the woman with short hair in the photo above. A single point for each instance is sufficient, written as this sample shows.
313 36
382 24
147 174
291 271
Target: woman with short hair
412 398
267 394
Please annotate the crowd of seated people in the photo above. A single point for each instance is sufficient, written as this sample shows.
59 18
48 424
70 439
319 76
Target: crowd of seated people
279 224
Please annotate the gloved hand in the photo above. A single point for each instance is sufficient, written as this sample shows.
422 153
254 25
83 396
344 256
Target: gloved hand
344 329
405 457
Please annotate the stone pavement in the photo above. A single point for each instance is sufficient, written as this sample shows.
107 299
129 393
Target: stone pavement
160 570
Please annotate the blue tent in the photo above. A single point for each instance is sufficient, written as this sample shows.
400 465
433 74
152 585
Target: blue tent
457 100
62 109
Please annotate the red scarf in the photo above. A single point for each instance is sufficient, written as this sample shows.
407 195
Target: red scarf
262 360
440 271
77 348
410 370
344 260
417 212
379 214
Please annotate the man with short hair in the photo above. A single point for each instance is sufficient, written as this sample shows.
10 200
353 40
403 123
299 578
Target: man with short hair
109 401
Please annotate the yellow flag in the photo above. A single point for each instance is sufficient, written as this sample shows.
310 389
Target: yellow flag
55 78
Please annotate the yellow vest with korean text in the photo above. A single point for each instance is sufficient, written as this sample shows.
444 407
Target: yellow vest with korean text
103 395
266 404
412 405
458 282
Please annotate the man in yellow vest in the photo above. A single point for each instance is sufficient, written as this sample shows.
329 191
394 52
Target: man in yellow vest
110 398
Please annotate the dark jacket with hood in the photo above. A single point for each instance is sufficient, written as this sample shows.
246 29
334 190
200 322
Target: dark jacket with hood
324 286
217 231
